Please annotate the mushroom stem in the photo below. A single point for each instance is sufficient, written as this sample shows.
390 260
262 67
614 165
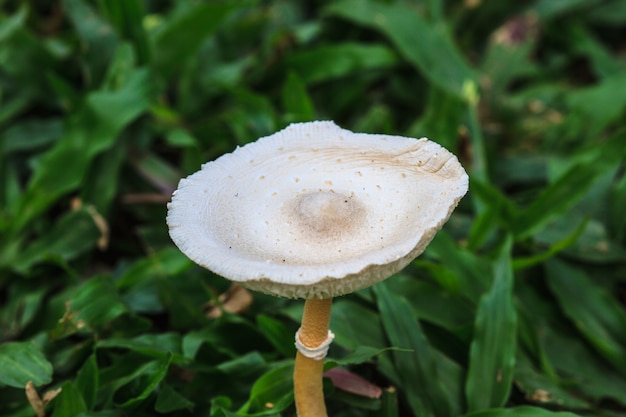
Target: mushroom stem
308 373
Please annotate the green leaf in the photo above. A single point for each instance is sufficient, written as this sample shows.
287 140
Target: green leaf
593 108
339 60
8 25
555 248
147 344
164 263
388 404
568 188
88 381
433 303
470 274
169 400
592 309
75 233
484 226
281 337
479 168
100 186
91 130
501 207
226 338
549 9
21 362
492 352
559 347
98 38
31 135
594 244
274 387
127 18
611 13
617 203
23 301
604 63
296 101
243 366
359 355
427 46
355 325
504 63
417 370
23 59
182 34
539 388
253 115
154 374
443 114
69 403
525 411
96 302
220 407
139 282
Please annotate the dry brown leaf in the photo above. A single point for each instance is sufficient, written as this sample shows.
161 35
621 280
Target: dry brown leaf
236 300
51 394
101 224
34 399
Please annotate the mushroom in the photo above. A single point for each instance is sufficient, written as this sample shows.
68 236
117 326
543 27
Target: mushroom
315 211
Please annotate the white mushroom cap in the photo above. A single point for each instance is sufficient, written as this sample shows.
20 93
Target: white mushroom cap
316 211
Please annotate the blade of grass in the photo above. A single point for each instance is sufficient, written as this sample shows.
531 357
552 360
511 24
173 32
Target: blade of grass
427 46
69 402
155 371
566 190
388 404
479 154
524 411
127 17
97 36
566 242
296 101
418 370
338 60
59 242
279 335
492 352
180 37
88 381
441 119
92 130
471 273
593 310
169 400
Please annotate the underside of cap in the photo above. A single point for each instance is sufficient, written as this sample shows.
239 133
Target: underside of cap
331 287
316 211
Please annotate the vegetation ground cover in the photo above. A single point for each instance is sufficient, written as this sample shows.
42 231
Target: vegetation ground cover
515 309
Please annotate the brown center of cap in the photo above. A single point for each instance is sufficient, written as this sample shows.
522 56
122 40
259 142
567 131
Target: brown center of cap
328 214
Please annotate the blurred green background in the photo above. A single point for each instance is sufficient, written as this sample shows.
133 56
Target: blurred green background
515 309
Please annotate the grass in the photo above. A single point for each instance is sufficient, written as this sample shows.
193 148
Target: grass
515 309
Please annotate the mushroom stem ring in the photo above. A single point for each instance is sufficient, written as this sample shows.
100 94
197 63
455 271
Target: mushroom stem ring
319 352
